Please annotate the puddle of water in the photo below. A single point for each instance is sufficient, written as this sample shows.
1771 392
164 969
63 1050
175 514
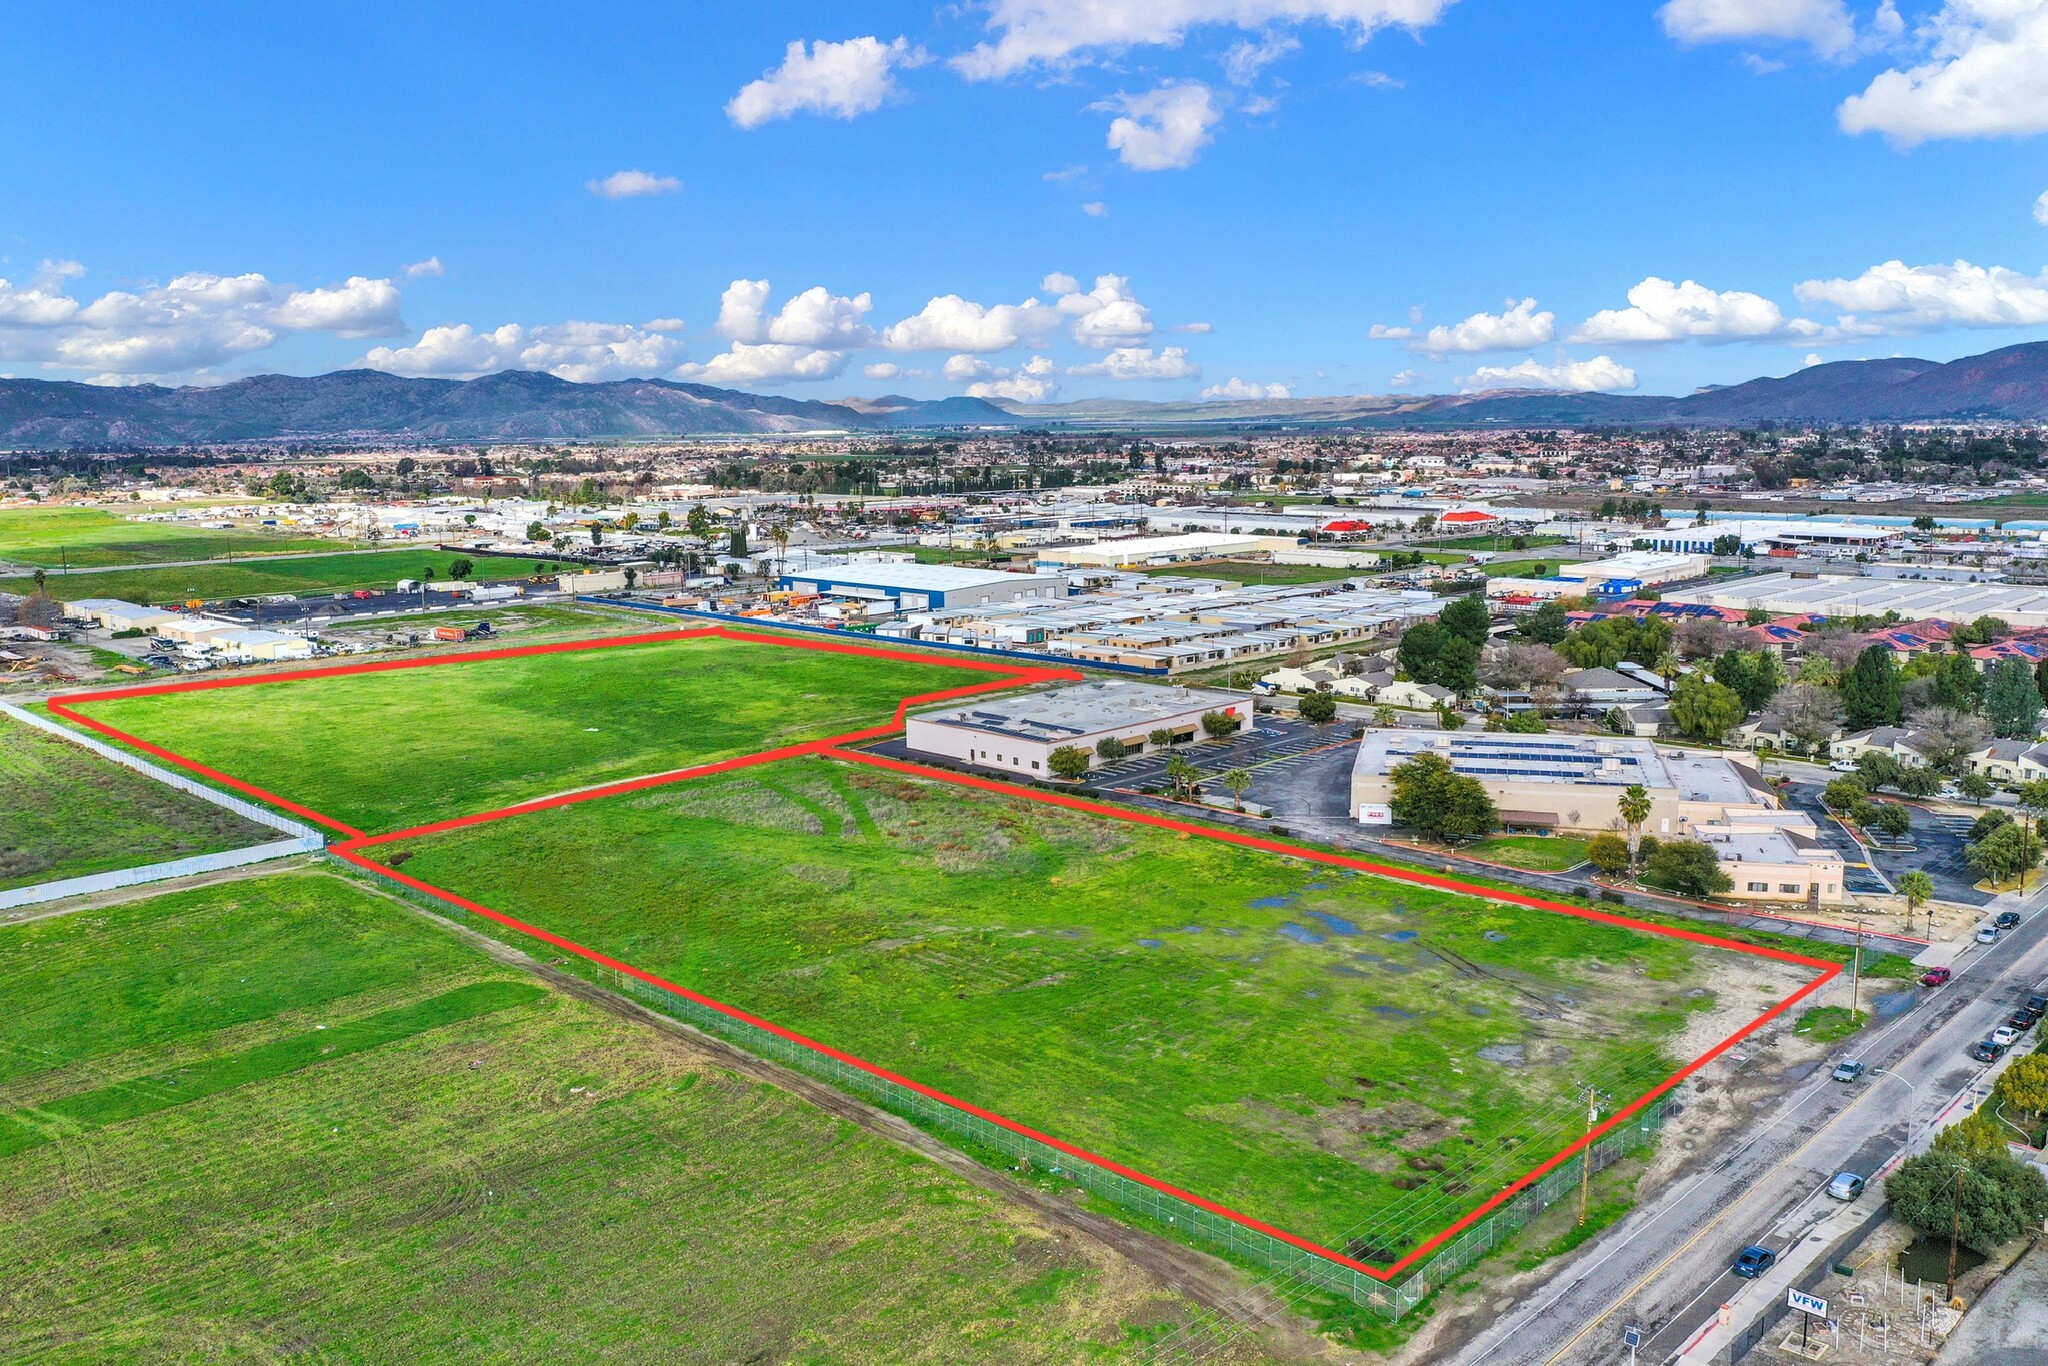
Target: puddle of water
1191 929
1232 933
1337 924
1394 1011
1927 1260
1151 944
1272 903
1300 934
1402 936
1480 1011
1317 887
1346 970
1893 1004
1496 937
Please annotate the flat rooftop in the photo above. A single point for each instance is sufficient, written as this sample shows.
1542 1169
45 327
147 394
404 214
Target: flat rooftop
1066 714
1564 760
917 578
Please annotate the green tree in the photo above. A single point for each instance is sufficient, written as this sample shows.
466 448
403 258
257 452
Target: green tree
2024 1086
1467 617
1705 710
1958 684
1547 625
1985 1197
1457 666
1893 821
1870 692
1989 630
1688 868
596 534
1318 708
1429 797
1384 717
1634 807
1609 853
1985 824
1183 779
537 532
1844 792
1877 769
1217 724
1239 782
2007 852
1974 786
2041 680
2012 704
1527 723
1111 749
736 543
1069 762
462 568
1919 780
1417 653
697 521
1160 739
1918 889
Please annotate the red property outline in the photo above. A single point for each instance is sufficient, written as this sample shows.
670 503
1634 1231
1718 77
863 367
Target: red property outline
834 748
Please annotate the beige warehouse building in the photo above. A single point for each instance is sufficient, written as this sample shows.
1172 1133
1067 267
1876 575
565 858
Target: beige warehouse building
1574 784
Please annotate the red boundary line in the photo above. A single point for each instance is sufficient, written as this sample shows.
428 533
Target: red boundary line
831 747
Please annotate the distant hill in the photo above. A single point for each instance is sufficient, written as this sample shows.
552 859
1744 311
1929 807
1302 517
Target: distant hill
2009 384
517 405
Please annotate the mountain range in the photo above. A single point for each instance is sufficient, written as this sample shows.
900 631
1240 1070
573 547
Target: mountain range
2005 385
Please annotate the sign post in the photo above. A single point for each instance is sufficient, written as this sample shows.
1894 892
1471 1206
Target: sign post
1632 1338
1808 1306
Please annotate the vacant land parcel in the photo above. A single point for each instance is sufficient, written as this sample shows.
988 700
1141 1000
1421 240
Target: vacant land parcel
386 750
286 1118
1357 1061
296 574
66 812
54 536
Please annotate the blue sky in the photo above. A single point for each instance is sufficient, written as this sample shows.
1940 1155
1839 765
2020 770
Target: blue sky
1035 198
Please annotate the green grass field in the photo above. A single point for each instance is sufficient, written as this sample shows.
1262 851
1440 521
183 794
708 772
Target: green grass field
284 1118
392 750
1313 1048
54 536
66 812
308 574
1548 854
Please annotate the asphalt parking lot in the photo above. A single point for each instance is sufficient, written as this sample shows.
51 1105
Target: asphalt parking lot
1268 748
1859 877
1938 851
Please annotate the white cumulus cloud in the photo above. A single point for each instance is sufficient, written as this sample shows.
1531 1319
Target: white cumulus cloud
882 369
1162 129
951 323
1141 362
1897 298
630 184
1057 33
1985 74
584 352
1031 382
1600 374
1238 388
842 79
815 318
1824 25
1406 379
2041 209
1516 326
1108 315
420 270
766 363
192 322
1660 311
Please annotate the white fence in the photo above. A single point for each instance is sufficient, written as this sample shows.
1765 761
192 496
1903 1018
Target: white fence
302 838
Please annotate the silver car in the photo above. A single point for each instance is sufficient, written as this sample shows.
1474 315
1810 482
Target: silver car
1845 1186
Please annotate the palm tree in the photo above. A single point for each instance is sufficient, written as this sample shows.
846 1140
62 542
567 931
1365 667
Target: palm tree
1918 888
779 533
1182 776
1634 809
1237 780
1384 717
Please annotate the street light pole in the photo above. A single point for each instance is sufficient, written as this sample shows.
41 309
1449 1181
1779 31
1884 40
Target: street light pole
1586 1157
1856 972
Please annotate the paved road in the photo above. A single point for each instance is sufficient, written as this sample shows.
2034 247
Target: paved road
1665 1267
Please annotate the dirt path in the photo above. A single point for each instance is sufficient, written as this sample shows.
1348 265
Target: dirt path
1208 1281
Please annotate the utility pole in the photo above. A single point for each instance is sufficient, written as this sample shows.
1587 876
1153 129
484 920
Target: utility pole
1586 1156
1856 970
1955 1229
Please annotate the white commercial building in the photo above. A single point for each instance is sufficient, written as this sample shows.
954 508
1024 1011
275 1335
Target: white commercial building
1019 734
912 587
1138 551
1766 534
1835 595
1643 568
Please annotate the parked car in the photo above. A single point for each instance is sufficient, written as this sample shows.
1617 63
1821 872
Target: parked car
1845 1186
2005 1036
1987 934
2038 1005
1754 1261
1842 766
1935 977
1848 1070
1987 1050
2023 1019
1950 794
2007 920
